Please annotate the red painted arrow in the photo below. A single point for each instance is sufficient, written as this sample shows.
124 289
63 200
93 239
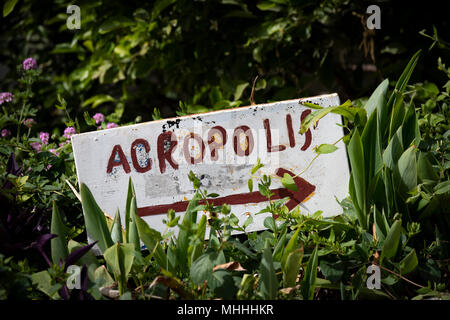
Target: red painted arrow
304 190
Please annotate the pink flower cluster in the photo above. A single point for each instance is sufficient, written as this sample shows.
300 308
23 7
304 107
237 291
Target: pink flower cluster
5 97
29 63
29 122
99 118
69 131
6 133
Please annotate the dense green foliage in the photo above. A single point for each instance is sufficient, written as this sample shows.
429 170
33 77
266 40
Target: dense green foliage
138 61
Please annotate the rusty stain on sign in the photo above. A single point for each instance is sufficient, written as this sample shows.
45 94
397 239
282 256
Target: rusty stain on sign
220 147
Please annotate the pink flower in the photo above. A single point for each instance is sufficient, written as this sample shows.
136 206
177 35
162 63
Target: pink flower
5 97
36 146
111 125
29 63
54 152
62 144
29 122
44 137
6 133
98 117
69 131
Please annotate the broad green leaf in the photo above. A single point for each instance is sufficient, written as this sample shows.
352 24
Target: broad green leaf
189 219
269 223
292 267
95 220
292 245
288 182
201 268
392 240
358 174
239 90
115 22
425 170
325 148
43 280
58 244
443 187
151 238
405 173
268 282
308 284
409 263
97 100
8 7
278 251
102 277
332 271
377 99
394 150
119 258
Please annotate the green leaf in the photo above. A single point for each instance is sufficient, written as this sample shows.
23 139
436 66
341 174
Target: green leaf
332 271
405 173
114 23
309 281
133 237
358 177
292 245
130 195
250 185
8 7
392 240
292 267
409 263
189 219
159 6
151 238
239 90
268 282
119 258
345 110
443 187
201 268
102 277
96 226
58 244
288 182
377 99
116 230
43 280
270 224
425 169
325 148
97 100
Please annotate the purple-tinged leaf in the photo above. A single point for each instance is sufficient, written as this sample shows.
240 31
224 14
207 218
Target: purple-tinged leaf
77 254
64 292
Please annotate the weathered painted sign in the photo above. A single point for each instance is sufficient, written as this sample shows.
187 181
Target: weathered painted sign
220 147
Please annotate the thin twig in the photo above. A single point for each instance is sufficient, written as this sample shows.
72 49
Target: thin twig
252 94
390 294
402 277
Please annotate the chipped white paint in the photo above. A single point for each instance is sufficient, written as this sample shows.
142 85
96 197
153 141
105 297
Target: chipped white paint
99 165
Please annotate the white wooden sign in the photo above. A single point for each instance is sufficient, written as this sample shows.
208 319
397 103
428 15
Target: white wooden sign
220 147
